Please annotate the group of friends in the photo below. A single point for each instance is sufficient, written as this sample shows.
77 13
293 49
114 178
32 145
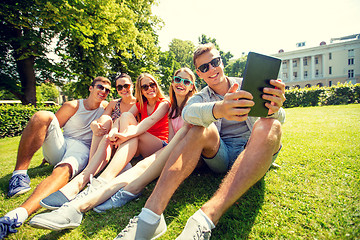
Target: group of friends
91 137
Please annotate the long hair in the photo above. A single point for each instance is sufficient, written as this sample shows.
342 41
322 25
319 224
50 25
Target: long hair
140 98
176 110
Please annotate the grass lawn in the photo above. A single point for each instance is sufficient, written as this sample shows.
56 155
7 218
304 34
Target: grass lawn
313 195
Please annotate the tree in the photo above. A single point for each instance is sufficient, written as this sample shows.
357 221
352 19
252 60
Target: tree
91 38
179 55
107 37
25 33
46 92
236 67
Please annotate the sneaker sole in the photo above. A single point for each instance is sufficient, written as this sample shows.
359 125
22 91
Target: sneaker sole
98 211
47 206
51 226
20 192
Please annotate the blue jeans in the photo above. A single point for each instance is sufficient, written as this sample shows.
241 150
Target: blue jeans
228 152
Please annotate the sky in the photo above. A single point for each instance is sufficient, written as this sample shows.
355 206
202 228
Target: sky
263 26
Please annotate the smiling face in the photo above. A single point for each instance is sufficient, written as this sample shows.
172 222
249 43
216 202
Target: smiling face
100 90
181 89
124 82
148 88
215 75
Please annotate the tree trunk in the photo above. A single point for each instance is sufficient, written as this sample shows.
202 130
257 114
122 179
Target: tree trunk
28 81
25 67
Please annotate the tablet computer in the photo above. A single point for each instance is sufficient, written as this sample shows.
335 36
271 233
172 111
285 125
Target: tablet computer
259 70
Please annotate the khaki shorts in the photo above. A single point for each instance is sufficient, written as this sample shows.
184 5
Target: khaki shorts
59 150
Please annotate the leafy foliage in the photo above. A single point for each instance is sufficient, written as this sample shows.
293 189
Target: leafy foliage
92 38
179 55
13 119
236 67
317 96
46 92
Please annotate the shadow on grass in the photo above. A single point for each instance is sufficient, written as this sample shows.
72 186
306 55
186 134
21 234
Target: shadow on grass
236 223
34 172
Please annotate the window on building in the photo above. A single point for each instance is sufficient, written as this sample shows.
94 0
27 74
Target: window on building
351 61
295 75
316 72
351 53
330 56
305 61
294 63
285 76
316 60
330 70
284 64
330 83
305 74
351 73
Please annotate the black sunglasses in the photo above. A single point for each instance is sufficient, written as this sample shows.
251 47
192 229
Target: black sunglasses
146 87
120 87
101 88
186 82
205 67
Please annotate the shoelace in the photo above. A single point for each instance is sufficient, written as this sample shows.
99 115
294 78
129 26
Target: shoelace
117 195
17 180
88 190
202 233
8 225
131 224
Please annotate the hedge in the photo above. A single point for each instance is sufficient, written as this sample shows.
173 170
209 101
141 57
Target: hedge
319 96
13 119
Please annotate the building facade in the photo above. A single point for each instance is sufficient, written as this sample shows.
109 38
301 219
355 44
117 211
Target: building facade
324 65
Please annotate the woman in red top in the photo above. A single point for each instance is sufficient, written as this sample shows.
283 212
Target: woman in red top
151 133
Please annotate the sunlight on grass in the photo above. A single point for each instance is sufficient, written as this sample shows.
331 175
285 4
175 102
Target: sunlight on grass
313 195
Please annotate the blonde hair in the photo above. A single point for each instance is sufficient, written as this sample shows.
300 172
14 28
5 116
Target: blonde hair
140 98
176 110
203 48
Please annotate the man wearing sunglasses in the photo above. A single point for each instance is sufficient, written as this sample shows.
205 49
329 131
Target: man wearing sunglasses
67 150
226 138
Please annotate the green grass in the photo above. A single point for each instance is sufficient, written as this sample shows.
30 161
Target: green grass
314 195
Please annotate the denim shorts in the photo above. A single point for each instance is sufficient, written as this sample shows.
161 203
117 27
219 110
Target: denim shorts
164 144
227 153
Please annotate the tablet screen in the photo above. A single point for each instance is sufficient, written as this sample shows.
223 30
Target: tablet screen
259 70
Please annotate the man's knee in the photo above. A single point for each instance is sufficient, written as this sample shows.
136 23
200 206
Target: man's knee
42 118
208 139
63 171
198 133
269 129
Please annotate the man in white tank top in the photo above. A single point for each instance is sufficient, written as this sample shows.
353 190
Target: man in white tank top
67 150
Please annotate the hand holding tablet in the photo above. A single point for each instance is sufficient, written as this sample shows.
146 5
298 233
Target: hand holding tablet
259 70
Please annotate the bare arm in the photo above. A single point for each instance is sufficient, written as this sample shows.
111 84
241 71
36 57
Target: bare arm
67 110
144 125
171 130
97 126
